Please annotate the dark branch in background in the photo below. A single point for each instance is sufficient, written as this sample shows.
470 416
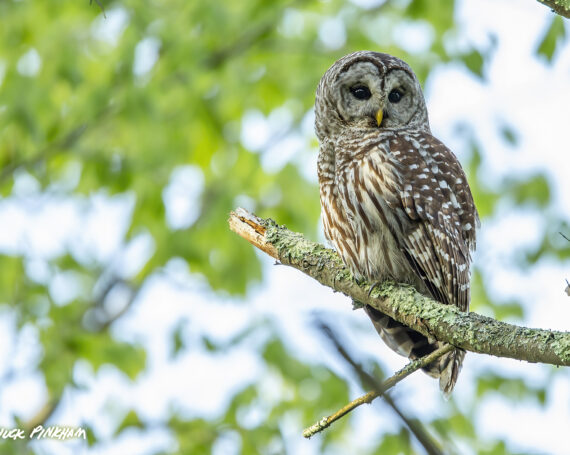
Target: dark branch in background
52 404
240 45
469 331
64 144
68 141
252 36
379 389
100 6
567 290
560 7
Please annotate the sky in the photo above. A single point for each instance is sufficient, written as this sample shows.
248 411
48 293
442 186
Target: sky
535 101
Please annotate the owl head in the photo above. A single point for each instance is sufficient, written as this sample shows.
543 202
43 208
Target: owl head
369 90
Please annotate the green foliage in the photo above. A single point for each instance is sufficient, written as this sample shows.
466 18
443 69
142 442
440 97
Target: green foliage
509 135
396 443
485 197
77 120
474 62
481 302
515 390
131 420
64 345
534 190
553 243
553 36
194 436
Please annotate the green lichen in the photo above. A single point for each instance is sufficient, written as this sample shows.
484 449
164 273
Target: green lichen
561 347
561 7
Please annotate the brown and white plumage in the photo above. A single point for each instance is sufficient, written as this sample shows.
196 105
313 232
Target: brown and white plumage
396 203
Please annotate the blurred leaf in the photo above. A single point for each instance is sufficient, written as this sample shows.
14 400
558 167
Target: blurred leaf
553 244
509 135
485 198
554 35
209 344
474 62
178 343
461 425
398 443
508 311
64 344
275 354
438 12
514 389
193 435
534 190
131 420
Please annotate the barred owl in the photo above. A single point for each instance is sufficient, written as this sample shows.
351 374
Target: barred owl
395 201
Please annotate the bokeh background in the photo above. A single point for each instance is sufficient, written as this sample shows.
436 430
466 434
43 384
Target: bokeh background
128 308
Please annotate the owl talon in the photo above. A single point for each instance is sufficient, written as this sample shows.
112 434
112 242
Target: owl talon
374 285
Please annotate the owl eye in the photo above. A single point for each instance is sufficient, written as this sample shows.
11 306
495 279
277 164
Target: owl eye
395 96
361 92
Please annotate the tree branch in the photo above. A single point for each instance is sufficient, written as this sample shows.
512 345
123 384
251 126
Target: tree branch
560 7
403 303
378 389
418 430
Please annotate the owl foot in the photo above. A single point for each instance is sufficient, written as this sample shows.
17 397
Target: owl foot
374 285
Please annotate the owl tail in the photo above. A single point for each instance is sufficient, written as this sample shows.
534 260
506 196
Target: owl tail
450 366
412 344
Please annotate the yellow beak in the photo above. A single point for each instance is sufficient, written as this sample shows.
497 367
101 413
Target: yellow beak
379 116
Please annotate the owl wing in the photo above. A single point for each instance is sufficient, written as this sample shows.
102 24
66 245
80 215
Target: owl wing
433 198
436 195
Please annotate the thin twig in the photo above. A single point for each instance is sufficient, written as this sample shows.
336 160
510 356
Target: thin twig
417 429
567 289
378 389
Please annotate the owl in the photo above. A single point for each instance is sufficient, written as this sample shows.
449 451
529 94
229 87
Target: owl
395 201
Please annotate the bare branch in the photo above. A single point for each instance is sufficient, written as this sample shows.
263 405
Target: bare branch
469 331
380 389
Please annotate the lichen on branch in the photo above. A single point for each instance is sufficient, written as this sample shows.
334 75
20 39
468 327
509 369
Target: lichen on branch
470 331
560 7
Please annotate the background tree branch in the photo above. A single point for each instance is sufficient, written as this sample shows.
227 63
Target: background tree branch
379 389
469 331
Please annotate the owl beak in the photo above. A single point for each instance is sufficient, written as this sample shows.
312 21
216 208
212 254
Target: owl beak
379 117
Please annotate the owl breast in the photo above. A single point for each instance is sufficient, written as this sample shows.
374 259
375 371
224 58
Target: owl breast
361 211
